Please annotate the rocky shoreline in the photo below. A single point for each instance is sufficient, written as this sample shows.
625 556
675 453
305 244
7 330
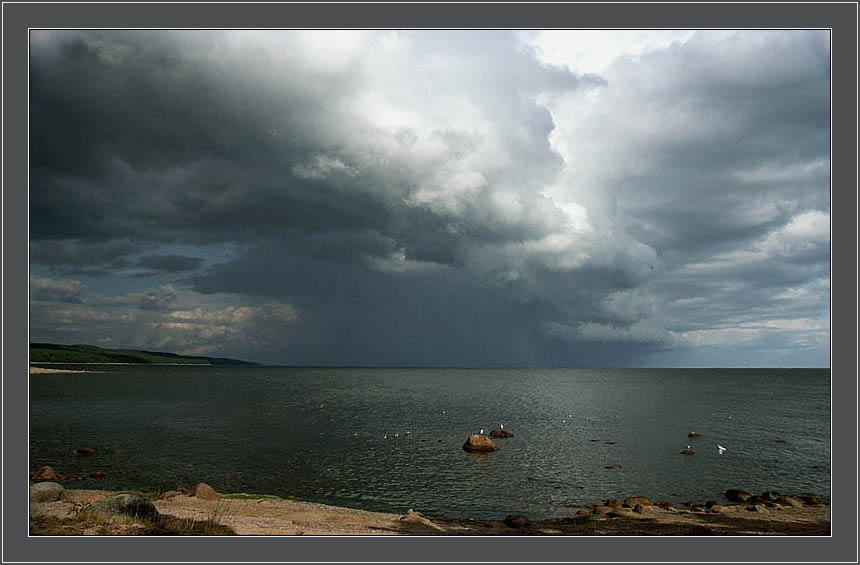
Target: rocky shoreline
55 510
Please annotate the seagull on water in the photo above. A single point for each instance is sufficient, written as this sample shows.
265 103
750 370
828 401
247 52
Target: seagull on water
721 449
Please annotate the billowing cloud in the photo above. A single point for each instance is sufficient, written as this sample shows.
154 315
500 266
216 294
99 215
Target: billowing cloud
54 289
433 197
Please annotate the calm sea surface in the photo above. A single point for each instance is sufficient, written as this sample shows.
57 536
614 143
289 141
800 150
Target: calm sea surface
390 439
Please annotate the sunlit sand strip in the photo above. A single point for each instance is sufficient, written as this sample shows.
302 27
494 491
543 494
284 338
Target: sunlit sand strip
38 370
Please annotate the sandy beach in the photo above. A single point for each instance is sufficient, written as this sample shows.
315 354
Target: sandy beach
44 370
244 514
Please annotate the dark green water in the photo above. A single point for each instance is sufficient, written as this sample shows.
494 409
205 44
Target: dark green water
340 435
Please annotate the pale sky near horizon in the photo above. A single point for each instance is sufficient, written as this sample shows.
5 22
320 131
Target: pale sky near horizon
472 198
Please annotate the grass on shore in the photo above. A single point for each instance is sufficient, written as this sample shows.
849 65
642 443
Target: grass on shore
83 519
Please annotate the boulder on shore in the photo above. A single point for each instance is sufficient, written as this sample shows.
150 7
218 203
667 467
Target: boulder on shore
808 499
499 432
614 503
46 492
632 501
790 501
516 521
602 509
413 517
46 474
736 495
134 505
621 513
204 492
480 443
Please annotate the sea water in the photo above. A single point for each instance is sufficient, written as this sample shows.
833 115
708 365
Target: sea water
391 439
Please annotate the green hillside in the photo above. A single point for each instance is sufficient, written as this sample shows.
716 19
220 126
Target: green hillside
54 353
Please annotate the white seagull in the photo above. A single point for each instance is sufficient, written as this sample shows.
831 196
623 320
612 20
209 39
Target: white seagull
721 449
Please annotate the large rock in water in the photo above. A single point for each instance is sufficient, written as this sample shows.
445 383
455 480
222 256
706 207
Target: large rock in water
204 491
46 474
480 443
128 505
46 492
500 433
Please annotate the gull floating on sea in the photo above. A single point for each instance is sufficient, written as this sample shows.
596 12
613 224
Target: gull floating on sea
721 449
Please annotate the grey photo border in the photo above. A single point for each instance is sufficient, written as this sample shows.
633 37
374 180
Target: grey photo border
840 17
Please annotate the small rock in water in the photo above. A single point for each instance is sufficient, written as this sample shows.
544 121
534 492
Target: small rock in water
781 441
46 474
500 433
610 442
613 466
480 443
694 434
85 451
688 451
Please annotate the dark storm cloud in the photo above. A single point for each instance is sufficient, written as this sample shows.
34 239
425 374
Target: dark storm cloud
435 197
169 263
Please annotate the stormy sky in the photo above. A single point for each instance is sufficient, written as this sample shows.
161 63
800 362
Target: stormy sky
466 198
